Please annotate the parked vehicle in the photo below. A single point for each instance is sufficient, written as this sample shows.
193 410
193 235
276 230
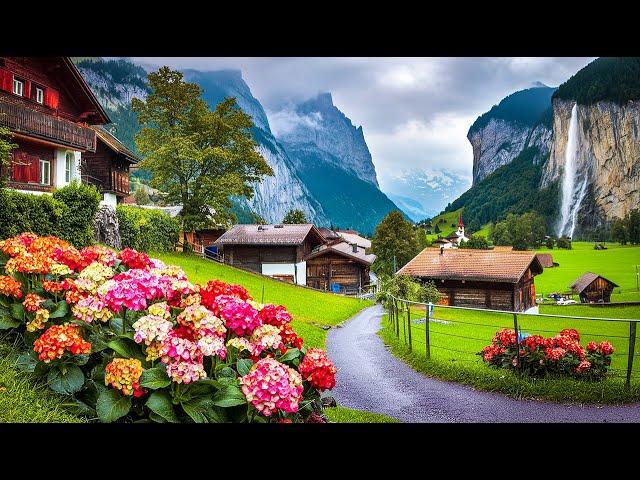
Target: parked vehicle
566 301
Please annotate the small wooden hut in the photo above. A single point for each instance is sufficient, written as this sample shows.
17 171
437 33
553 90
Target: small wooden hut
593 288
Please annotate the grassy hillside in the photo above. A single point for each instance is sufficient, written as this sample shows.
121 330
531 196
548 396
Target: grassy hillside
311 310
447 222
511 188
617 263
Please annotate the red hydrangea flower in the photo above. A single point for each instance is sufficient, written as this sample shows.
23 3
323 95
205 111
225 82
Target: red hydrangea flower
605 348
592 347
318 369
274 315
571 332
506 337
10 287
216 288
555 354
584 365
289 338
134 259
57 340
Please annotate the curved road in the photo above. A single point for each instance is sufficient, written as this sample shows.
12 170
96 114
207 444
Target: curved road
370 378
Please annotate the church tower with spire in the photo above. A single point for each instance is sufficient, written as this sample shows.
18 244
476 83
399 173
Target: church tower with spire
460 226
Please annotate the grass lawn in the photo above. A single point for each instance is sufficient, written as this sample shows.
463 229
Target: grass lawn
348 415
23 399
456 336
617 263
450 218
311 310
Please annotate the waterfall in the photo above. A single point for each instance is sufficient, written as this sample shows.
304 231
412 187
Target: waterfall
572 194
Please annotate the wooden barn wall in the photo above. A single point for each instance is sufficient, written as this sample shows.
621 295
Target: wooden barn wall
251 257
493 295
333 268
599 289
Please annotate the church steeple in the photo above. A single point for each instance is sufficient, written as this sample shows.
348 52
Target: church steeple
460 224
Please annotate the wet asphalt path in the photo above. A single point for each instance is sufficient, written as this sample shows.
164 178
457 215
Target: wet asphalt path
370 378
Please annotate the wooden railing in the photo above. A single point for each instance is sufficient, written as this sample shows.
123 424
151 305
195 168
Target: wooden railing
120 182
47 127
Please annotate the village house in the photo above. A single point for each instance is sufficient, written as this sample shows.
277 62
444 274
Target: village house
479 278
53 115
593 288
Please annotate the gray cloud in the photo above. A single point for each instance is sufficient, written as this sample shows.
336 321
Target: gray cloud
415 112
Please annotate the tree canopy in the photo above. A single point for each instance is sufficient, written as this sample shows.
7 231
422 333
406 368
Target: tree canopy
295 216
393 237
6 146
198 157
520 231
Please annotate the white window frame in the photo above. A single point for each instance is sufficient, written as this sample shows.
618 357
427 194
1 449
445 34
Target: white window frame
45 168
40 95
68 166
18 87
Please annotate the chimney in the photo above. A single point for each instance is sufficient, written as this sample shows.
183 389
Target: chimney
354 246
441 250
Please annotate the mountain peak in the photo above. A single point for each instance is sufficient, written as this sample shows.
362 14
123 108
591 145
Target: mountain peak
538 84
324 99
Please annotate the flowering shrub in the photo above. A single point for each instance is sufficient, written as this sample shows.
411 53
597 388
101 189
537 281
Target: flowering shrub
537 356
129 337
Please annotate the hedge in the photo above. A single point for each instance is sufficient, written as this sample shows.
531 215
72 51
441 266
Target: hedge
68 214
146 229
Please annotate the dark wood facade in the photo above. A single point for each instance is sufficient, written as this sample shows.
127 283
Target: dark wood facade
598 291
331 267
107 169
493 295
251 257
48 106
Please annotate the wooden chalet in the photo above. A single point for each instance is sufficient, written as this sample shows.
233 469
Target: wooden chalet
339 266
546 259
51 110
593 288
108 167
275 250
479 278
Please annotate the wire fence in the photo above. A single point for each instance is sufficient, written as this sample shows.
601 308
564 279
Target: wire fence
459 333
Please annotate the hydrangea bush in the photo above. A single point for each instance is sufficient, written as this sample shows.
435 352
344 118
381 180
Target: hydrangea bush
131 339
537 356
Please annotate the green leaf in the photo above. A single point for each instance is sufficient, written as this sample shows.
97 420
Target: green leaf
227 372
244 365
27 362
160 403
66 379
112 405
154 378
6 322
126 349
197 408
229 396
61 310
17 311
156 418
290 355
116 325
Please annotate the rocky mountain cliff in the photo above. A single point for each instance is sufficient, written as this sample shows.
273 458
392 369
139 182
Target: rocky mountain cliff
519 121
320 123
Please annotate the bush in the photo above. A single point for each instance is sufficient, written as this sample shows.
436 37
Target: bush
83 202
68 214
145 229
477 242
549 242
564 242
406 288
128 338
561 355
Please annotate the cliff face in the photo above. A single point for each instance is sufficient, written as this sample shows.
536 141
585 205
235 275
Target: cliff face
323 125
500 141
608 147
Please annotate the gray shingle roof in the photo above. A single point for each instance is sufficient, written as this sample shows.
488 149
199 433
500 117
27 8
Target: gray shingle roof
585 280
269 235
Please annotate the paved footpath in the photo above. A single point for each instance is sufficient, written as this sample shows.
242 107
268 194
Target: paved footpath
370 378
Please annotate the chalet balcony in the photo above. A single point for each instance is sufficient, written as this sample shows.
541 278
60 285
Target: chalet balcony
116 182
29 122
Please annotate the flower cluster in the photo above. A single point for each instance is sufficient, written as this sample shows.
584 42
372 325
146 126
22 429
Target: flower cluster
10 287
538 356
134 259
91 308
124 374
215 289
98 253
271 385
31 254
238 315
151 328
50 286
58 339
41 317
266 337
32 302
274 315
318 369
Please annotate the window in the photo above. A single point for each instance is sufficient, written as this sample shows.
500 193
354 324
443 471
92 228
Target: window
45 172
68 166
39 95
18 86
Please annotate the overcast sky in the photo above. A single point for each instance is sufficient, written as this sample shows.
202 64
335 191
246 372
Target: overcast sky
415 112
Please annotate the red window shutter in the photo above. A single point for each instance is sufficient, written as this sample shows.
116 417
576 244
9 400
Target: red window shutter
18 172
51 98
27 89
6 80
34 169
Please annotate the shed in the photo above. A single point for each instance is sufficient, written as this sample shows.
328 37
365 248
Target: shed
546 259
339 263
500 280
593 288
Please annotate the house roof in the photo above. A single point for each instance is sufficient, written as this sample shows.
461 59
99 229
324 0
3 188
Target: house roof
328 233
441 240
471 264
355 238
345 249
270 235
587 279
546 259
114 144
101 114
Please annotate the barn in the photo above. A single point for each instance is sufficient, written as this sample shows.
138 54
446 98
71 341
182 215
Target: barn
499 280
593 288
339 266
275 250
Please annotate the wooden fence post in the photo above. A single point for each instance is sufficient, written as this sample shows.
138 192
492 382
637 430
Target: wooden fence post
409 326
427 316
632 347
515 327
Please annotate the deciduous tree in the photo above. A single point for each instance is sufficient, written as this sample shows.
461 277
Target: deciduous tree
294 216
393 237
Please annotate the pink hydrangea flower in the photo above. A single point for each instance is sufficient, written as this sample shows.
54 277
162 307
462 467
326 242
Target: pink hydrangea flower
91 308
239 316
176 347
264 337
151 328
271 385
185 372
211 345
